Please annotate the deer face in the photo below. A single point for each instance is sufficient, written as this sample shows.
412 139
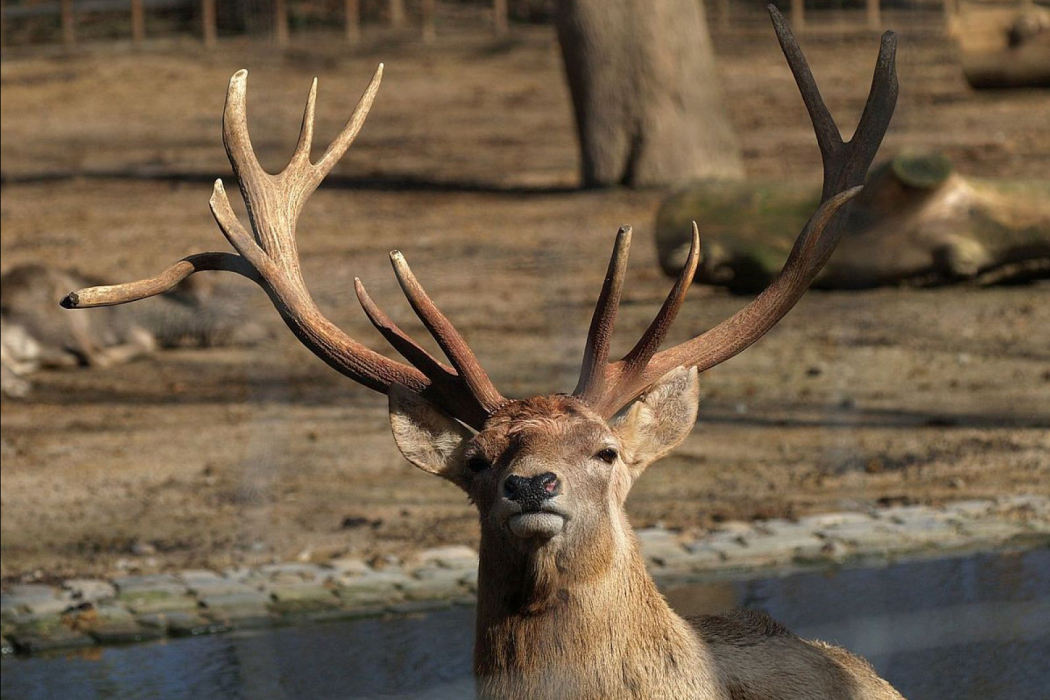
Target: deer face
548 471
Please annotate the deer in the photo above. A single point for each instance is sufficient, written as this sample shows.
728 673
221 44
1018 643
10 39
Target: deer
566 607
36 334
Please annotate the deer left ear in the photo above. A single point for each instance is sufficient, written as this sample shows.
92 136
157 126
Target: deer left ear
660 419
427 436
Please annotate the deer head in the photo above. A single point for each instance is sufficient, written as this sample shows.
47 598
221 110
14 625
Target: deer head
549 474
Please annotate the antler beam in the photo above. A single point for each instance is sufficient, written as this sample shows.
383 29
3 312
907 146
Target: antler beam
609 387
268 255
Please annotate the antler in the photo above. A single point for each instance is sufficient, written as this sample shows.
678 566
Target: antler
607 387
269 257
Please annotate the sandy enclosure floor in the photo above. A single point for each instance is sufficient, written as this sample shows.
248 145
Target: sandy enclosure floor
213 457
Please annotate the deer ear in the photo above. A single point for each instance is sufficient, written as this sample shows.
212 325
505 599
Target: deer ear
427 436
660 419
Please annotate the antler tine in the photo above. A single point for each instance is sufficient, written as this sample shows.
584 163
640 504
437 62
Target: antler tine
452 343
829 139
114 294
596 351
401 341
301 155
628 372
845 166
654 335
235 128
346 137
875 119
845 163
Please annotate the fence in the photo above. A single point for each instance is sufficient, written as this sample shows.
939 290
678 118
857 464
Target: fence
724 14
69 14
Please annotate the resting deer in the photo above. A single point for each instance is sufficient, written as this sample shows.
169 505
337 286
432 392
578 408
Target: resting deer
566 608
37 334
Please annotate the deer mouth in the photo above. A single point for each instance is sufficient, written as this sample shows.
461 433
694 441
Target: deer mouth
537 524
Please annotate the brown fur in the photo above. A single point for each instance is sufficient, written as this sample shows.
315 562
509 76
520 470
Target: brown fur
576 615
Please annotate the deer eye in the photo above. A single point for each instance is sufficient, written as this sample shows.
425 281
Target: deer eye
608 455
477 464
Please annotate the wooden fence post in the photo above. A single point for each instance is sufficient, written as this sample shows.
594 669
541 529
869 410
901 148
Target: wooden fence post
798 14
209 32
874 14
280 22
723 13
69 32
352 19
138 22
397 13
429 29
500 22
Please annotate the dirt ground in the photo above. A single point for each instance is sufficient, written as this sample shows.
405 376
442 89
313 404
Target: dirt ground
468 164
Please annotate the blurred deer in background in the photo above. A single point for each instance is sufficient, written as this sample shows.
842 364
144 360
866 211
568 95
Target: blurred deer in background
38 334
566 608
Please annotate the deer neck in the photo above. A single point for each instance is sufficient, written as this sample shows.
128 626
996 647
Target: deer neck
585 623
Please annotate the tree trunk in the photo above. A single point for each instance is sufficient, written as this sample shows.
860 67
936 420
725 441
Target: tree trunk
648 103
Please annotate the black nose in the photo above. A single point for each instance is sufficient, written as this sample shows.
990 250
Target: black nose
530 493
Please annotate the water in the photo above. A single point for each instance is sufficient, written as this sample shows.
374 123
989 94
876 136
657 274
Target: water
975 628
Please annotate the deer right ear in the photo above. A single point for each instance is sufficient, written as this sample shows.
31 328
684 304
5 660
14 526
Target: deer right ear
427 436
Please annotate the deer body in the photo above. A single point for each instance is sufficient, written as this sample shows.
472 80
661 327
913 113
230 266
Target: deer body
38 334
566 608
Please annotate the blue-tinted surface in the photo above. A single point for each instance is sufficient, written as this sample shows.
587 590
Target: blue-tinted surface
966 629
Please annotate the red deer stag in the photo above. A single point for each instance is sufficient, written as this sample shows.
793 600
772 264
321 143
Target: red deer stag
565 606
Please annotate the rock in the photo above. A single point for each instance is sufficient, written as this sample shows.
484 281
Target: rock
208 584
91 590
35 599
870 537
738 554
663 552
60 638
182 624
240 617
433 583
378 588
235 599
149 583
785 545
990 531
296 573
910 514
824 520
969 509
350 566
124 633
157 600
302 598
470 580
451 557
419 606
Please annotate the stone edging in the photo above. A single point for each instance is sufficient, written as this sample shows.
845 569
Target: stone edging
87 612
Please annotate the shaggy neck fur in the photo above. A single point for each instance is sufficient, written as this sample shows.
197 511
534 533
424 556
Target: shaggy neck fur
581 624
